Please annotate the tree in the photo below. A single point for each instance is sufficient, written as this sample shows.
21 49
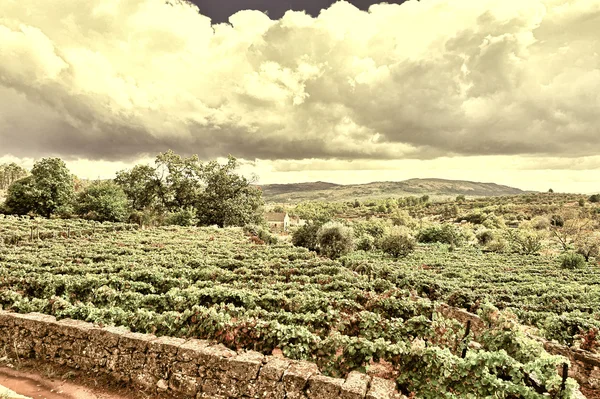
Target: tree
228 199
550 191
10 173
180 178
141 185
398 243
46 191
54 184
103 201
21 198
334 239
594 198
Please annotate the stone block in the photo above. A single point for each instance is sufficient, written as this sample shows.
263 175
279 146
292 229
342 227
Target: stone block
245 366
355 386
381 389
296 377
274 368
184 384
323 387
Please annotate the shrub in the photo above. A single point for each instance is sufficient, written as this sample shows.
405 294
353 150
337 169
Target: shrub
594 198
103 201
445 234
398 244
306 236
572 260
184 217
366 242
485 236
260 233
475 217
375 227
557 221
525 242
334 239
540 223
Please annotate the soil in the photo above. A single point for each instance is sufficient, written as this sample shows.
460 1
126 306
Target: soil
50 382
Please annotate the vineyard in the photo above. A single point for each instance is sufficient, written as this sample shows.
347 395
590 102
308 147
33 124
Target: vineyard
360 312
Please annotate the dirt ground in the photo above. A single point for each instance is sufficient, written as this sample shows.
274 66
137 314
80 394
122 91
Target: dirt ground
48 382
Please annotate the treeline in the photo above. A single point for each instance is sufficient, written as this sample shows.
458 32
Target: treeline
10 173
176 190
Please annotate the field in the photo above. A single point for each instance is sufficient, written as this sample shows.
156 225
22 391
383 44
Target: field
363 311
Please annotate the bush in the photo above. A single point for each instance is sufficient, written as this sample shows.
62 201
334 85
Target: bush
375 227
572 260
485 236
261 233
594 198
525 242
398 244
557 221
103 201
445 234
366 242
334 239
306 236
184 217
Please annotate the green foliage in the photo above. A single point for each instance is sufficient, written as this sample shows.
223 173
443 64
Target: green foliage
306 236
365 242
398 244
260 232
184 217
485 236
525 242
335 239
572 260
21 197
445 234
10 173
557 220
375 227
49 189
180 180
594 198
141 185
217 284
228 199
103 201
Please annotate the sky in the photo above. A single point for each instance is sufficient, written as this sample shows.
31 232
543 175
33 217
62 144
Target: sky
504 91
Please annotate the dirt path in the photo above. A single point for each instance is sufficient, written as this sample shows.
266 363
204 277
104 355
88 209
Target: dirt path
38 387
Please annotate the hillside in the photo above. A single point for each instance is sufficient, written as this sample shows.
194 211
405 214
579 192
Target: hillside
297 192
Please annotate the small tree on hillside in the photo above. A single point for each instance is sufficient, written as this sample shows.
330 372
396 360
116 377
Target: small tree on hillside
334 239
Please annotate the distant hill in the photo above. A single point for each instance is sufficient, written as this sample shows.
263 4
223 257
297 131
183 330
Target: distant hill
297 192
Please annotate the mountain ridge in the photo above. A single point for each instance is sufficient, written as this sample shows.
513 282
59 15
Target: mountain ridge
295 192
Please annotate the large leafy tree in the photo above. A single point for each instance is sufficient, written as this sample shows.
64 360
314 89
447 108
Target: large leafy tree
228 199
180 180
141 185
48 190
103 201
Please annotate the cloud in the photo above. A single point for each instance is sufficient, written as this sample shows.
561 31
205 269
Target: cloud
422 80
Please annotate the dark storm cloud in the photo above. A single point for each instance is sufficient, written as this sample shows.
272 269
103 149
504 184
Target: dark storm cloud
220 11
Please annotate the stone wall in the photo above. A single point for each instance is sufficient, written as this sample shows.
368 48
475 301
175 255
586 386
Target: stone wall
180 367
585 366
